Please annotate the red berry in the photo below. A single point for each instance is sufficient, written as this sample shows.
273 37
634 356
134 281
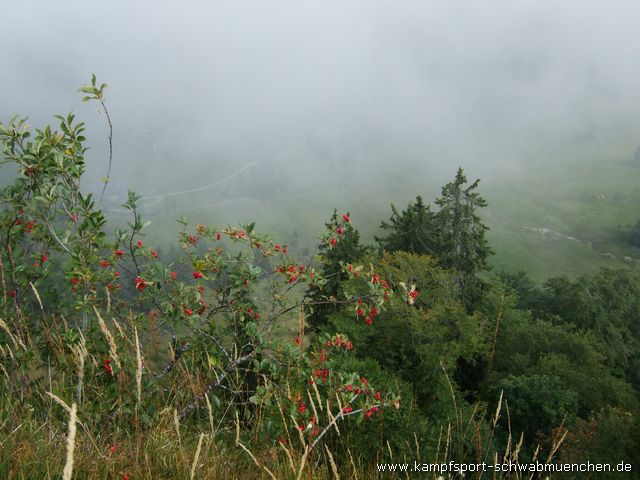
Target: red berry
140 284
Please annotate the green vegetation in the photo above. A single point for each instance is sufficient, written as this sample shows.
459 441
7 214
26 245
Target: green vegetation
634 237
224 356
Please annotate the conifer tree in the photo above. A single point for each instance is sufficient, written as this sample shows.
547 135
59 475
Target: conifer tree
462 245
411 231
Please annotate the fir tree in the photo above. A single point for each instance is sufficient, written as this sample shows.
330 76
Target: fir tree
462 245
411 231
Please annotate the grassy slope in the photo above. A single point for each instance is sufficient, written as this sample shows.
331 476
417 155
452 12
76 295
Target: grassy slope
593 201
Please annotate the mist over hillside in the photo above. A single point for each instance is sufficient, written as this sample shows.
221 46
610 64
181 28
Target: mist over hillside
245 110
305 87
302 239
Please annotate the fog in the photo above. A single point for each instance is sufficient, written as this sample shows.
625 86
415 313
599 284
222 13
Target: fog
315 96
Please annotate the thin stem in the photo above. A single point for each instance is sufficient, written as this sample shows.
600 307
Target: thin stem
107 178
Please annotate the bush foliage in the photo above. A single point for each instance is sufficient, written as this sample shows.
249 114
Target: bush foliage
230 357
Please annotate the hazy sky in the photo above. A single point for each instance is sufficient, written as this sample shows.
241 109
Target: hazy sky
341 89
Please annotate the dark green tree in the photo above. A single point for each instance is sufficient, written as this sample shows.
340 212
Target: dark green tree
462 245
530 296
412 230
607 304
346 249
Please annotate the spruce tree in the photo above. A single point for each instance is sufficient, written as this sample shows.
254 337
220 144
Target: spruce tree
411 231
462 245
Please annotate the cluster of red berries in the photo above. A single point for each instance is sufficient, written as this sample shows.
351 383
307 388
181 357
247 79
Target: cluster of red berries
333 241
29 226
280 249
140 284
250 311
107 366
292 272
373 311
355 271
38 263
17 220
338 341
371 411
377 280
302 409
364 390
322 373
188 311
235 234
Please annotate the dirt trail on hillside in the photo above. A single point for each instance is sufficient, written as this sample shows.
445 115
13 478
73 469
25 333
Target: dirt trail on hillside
589 243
